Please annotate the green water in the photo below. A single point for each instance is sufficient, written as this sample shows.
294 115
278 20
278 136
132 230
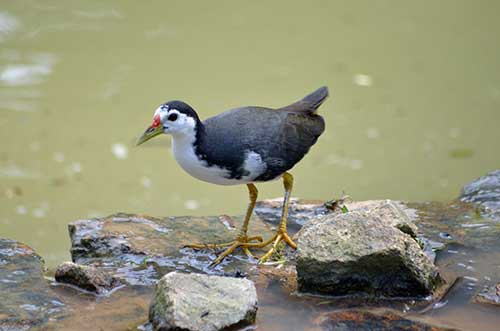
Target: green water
413 115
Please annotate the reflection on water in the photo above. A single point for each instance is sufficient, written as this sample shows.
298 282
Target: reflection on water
28 74
21 71
8 24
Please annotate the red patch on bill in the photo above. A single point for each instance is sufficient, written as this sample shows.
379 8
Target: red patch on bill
156 121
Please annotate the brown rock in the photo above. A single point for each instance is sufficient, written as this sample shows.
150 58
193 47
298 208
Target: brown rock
367 321
85 277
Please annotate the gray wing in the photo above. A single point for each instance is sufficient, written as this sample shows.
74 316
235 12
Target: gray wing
292 141
280 137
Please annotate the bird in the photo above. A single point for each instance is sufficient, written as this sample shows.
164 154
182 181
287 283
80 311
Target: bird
246 145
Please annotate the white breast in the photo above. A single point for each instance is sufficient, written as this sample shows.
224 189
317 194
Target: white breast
183 150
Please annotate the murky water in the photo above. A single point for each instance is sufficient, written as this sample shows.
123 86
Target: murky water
413 113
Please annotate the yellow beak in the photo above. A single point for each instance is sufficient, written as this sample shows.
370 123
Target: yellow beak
151 132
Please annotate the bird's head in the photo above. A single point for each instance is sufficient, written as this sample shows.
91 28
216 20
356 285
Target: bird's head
173 117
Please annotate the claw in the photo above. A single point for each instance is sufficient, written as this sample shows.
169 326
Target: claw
222 245
244 242
278 237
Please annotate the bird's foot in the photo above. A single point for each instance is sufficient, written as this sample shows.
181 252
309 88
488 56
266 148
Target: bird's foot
241 241
280 236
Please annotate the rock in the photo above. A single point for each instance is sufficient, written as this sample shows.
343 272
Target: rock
87 241
301 211
392 213
85 277
485 191
26 298
490 295
202 303
361 320
361 252
140 249
456 222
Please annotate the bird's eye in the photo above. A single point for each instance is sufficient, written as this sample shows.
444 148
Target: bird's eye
172 117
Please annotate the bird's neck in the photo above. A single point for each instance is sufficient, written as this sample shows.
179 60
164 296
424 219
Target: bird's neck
189 138
187 150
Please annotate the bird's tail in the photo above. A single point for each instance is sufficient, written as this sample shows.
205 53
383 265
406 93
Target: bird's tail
311 102
315 99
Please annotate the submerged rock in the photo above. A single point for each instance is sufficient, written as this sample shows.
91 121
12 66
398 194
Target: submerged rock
363 252
490 295
85 277
485 191
361 320
26 298
202 303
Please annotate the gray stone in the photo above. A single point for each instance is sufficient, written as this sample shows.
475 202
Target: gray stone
202 303
484 191
362 252
27 301
85 277
393 213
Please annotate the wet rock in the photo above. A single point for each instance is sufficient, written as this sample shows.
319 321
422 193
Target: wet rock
301 211
362 252
361 320
430 247
26 298
139 249
490 295
456 222
202 303
85 277
87 241
485 191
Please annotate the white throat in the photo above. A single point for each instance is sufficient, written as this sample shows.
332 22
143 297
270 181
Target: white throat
183 148
184 154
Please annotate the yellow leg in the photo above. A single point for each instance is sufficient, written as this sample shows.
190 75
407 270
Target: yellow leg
281 234
242 240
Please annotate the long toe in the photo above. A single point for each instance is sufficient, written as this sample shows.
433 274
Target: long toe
277 239
244 242
216 246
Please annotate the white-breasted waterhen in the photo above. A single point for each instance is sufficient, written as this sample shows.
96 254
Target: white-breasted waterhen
242 146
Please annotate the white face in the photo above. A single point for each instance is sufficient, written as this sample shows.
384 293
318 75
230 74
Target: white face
175 122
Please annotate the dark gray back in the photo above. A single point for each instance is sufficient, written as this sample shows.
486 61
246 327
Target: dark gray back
281 137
